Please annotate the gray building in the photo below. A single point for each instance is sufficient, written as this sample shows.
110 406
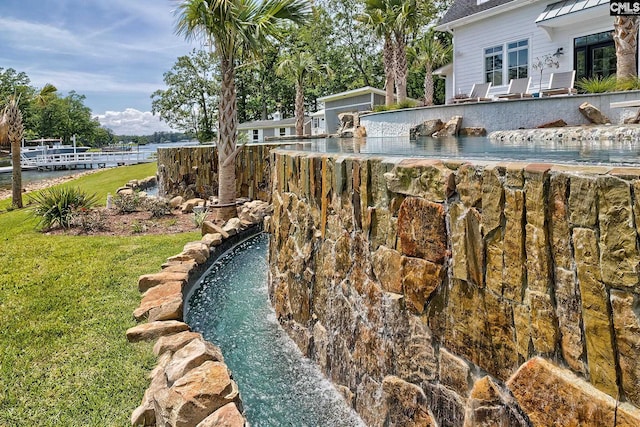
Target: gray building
258 130
361 99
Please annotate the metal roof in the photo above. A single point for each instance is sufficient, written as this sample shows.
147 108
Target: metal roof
565 7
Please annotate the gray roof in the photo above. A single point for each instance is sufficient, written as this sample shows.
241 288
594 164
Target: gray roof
463 8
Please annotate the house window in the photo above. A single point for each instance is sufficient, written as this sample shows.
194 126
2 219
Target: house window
497 71
594 55
518 59
255 134
283 131
493 65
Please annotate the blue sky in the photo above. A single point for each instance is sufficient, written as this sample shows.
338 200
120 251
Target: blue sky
112 51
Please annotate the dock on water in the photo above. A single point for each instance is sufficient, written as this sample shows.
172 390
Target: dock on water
86 160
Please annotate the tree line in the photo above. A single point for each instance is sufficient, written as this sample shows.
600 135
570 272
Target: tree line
343 45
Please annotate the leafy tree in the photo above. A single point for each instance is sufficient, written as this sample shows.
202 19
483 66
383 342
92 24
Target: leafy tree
235 29
297 68
189 102
12 126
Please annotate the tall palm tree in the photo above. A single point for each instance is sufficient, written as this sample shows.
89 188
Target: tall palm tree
408 16
12 128
429 52
377 16
233 28
625 36
297 68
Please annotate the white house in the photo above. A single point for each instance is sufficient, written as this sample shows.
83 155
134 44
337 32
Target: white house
258 130
496 40
318 126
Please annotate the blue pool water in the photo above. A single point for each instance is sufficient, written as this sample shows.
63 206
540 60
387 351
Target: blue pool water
278 386
482 148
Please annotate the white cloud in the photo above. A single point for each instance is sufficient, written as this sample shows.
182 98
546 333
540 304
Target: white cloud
132 122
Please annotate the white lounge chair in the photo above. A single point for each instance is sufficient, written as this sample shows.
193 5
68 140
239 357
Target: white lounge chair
518 88
561 84
479 92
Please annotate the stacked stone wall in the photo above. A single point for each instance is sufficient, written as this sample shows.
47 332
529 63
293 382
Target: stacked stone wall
192 172
458 294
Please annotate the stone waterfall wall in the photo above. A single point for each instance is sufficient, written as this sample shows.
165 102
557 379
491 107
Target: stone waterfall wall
192 172
455 294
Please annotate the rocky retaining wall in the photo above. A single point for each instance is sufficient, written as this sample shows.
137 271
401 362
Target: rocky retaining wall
191 172
191 385
457 294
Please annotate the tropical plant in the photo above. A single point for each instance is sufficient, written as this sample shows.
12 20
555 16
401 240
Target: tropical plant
597 84
199 217
378 18
56 206
625 37
234 29
429 52
297 68
12 131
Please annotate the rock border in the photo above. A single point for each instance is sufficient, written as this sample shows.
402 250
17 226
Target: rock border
190 385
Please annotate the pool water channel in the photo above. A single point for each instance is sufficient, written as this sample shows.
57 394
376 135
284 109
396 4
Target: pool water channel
278 385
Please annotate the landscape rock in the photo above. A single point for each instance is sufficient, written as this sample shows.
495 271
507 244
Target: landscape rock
426 128
195 396
157 296
472 131
180 266
187 207
175 342
209 227
194 354
212 239
232 226
593 114
198 251
386 264
148 281
153 330
176 202
451 128
554 124
227 416
167 310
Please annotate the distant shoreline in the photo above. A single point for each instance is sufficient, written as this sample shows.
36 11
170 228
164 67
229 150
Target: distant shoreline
45 183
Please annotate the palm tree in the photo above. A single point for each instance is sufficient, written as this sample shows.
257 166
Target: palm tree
408 16
45 95
625 36
429 52
12 130
297 68
233 28
377 16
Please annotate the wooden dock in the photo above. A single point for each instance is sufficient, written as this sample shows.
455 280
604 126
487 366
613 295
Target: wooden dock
86 160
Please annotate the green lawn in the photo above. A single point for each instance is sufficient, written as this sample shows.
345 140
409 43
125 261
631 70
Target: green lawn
65 304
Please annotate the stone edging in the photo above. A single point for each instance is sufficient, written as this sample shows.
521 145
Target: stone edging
620 134
190 385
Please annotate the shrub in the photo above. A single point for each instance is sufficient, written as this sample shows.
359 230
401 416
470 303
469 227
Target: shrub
407 103
157 207
90 220
127 203
56 206
597 84
631 83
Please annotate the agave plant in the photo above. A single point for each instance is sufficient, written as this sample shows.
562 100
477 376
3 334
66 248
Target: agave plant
56 206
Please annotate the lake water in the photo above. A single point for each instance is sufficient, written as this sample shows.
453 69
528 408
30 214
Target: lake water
28 176
481 148
278 385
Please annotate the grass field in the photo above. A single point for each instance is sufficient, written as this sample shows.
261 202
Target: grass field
65 304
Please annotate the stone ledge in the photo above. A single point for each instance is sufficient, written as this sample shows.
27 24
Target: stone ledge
186 362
